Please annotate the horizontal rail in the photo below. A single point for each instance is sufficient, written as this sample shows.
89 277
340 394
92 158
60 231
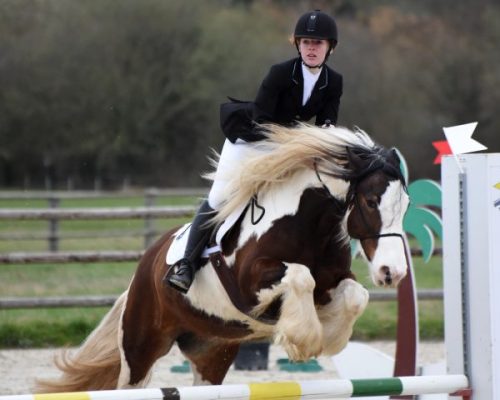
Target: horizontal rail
91 234
69 257
88 256
11 303
98 194
16 303
306 389
95 213
391 295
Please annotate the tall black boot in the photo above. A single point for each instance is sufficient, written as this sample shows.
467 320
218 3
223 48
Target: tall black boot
199 235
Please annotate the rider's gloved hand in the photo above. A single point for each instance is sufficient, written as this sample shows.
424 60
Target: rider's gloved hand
327 124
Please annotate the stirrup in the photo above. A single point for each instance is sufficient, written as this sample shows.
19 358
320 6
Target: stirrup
182 276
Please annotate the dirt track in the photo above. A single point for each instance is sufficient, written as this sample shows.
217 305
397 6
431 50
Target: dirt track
18 368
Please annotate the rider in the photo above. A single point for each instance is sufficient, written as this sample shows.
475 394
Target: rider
295 90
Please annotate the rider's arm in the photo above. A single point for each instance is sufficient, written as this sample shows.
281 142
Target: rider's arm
267 97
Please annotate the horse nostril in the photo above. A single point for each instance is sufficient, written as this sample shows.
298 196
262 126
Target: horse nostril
387 272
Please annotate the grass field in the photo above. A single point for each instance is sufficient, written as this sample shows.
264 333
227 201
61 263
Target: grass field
68 326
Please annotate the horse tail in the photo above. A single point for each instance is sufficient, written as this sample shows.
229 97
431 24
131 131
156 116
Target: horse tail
96 363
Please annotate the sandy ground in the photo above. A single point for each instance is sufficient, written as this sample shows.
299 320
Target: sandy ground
18 368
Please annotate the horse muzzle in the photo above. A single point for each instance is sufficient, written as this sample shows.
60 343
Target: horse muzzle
390 261
388 277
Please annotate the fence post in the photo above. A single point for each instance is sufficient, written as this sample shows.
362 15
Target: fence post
53 226
149 229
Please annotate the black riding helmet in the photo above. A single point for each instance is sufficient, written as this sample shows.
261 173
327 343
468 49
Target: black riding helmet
316 25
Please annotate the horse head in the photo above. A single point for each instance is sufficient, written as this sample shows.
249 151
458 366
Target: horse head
378 200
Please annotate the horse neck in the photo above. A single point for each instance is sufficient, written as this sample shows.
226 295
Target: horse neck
284 199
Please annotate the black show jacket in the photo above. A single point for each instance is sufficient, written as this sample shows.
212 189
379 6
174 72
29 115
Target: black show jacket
279 100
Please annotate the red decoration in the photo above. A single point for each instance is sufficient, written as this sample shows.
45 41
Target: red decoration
443 148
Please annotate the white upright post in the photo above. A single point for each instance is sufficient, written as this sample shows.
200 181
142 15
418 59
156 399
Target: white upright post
471 264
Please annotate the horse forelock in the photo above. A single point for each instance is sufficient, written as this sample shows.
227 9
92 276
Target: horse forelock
284 152
376 158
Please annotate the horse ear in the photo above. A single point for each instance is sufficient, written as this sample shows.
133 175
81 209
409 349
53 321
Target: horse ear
395 157
355 161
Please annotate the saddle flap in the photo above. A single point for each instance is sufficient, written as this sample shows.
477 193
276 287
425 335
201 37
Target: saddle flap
176 249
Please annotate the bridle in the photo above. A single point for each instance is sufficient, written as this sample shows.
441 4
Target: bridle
352 199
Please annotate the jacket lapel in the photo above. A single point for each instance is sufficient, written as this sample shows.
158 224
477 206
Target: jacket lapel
319 87
298 83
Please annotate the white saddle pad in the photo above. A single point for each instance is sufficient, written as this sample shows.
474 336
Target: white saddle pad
176 250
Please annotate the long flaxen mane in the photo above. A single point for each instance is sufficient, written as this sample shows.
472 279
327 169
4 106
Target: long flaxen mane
284 152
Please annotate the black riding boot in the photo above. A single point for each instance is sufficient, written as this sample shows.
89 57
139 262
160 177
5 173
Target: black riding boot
185 268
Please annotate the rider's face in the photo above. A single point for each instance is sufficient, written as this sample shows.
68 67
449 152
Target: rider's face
313 51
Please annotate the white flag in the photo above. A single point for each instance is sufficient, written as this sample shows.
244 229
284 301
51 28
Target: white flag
460 139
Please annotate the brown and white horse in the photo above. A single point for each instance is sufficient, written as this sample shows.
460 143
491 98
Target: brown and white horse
291 269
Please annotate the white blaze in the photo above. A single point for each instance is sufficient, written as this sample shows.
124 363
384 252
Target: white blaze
390 250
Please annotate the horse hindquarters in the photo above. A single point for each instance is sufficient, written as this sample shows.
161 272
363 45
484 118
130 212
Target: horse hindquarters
96 364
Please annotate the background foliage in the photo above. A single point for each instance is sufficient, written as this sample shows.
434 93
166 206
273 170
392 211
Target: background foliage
107 92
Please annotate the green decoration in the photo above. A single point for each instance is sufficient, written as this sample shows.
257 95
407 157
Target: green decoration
304 366
184 368
425 192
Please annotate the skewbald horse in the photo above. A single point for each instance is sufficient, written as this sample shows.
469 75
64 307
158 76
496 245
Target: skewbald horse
319 188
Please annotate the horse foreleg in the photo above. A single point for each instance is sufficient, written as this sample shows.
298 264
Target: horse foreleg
349 300
298 328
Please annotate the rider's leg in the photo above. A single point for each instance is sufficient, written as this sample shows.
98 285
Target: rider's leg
185 268
199 234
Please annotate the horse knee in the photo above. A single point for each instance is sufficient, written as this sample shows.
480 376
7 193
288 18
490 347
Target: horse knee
355 297
349 299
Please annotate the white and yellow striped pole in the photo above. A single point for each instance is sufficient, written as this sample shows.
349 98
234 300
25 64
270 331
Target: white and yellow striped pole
313 389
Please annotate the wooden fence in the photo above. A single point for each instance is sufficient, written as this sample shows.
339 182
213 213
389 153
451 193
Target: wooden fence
53 214
148 213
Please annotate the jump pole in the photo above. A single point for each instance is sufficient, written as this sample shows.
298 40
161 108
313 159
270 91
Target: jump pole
471 265
313 389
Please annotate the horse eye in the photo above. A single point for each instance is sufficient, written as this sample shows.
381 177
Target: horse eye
371 203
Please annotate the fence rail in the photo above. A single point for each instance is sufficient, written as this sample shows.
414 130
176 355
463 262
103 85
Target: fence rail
69 257
95 213
89 256
54 215
151 193
11 303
